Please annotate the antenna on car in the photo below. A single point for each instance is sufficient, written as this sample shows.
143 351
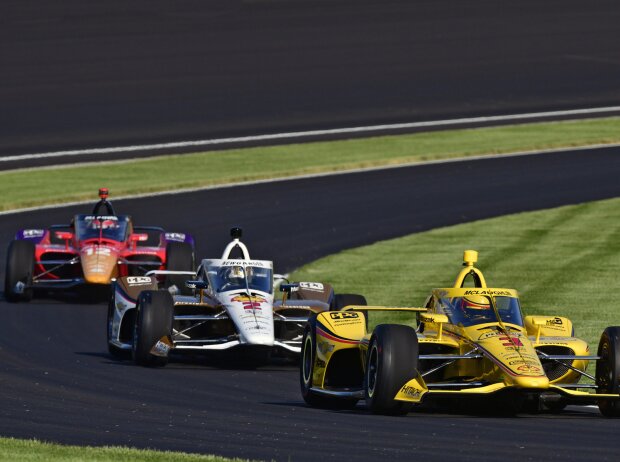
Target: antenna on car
236 233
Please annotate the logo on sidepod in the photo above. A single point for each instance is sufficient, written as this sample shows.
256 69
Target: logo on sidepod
253 303
344 315
411 392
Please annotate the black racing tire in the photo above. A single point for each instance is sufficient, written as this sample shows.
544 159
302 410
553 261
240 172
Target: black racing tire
608 370
342 300
391 361
153 321
19 268
179 257
306 368
115 351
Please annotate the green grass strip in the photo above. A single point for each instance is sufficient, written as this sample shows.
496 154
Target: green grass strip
563 262
35 187
33 450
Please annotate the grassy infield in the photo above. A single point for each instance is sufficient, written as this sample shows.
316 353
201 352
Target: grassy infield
560 260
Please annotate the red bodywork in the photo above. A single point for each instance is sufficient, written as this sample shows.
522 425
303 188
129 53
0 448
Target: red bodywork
61 258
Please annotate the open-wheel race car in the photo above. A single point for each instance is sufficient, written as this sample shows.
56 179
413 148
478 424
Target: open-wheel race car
92 251
471 341
226 305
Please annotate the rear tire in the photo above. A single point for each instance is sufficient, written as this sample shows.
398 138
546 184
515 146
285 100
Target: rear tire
342 300
306 370
19 269
608 370
153 321
392 361
179 257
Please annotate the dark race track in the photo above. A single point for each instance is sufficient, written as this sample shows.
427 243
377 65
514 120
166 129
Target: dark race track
80 74
58 383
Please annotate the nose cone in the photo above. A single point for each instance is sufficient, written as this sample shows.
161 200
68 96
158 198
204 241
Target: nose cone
531 382
253 318
264 336
98 264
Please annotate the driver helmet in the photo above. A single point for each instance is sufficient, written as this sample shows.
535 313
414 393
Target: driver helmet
235 274
476 302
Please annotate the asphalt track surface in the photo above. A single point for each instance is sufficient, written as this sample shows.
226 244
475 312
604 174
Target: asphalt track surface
58 383
82 74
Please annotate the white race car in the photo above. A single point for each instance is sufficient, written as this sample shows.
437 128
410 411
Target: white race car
229 306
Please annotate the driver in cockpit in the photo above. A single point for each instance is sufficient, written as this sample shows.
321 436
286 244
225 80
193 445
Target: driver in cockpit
477 308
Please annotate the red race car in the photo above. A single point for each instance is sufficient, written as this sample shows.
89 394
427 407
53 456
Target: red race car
93 250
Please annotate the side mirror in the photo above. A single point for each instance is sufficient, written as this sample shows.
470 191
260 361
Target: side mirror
64 235
139 237
196 284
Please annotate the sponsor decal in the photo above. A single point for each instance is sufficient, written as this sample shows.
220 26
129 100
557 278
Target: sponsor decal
487 292
324 347
317 286
320 363
258 263
180 237
343 315
513 340
554 322
27 233
522 361
411 392
162 347
528 368
101 217
138 280
248 303
98 250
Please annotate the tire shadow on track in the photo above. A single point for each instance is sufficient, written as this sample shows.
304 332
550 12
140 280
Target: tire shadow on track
199 362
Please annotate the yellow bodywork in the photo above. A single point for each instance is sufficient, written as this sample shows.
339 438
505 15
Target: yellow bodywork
502 353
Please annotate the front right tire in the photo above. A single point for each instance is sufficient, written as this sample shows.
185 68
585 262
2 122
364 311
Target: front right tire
19 270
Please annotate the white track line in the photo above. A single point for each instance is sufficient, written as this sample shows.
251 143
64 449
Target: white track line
316 175
312 133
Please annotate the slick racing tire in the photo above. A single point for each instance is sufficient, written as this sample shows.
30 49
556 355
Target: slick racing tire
392 360
179 257
19 269
153 321
608 370
115 351
306 370
342 300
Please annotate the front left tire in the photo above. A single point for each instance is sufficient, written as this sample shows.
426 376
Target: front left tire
154 314
608 370
391 361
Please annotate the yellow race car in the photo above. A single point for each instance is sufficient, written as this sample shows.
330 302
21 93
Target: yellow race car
471 341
